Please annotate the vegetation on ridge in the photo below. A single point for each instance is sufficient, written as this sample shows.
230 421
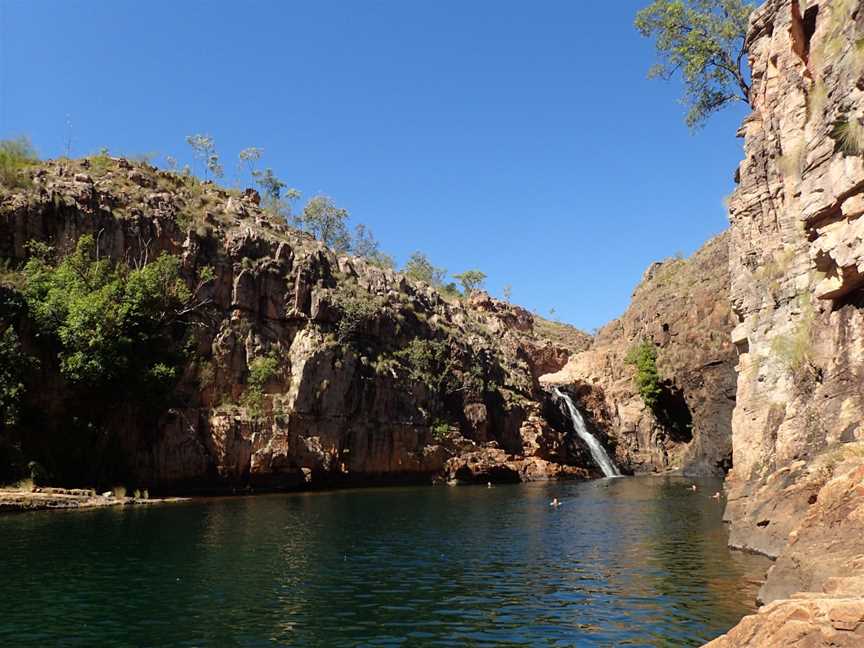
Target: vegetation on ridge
16 155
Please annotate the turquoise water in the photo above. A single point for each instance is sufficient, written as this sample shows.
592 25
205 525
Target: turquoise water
624 562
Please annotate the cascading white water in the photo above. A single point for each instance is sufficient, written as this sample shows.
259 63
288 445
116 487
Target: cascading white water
598 452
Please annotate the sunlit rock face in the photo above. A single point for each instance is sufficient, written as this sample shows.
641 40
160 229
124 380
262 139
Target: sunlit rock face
681 306
337 408
796 290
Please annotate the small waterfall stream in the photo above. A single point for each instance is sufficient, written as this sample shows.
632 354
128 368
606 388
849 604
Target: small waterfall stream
598 452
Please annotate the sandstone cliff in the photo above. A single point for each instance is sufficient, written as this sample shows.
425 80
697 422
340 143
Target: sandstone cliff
682 308
354 395
796 265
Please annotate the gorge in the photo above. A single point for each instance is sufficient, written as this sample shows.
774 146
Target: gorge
294 367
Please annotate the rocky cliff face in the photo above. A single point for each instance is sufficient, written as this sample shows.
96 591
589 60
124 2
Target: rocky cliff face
346 401
796 264
681 307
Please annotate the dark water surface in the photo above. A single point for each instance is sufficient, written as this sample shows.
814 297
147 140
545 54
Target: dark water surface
623 562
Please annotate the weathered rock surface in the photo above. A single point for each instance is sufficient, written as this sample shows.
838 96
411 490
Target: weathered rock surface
795 261
802 345
337 410
682 307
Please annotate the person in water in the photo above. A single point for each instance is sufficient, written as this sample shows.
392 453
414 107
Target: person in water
554 503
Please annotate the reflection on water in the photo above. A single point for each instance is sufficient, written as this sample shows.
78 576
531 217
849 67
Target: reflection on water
635 561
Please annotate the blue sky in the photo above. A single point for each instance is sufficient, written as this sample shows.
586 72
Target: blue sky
521 138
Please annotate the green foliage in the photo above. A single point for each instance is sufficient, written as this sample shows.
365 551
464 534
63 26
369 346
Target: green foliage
644 357
471 280
326 222
365 245
278 198
428 361
440 430
704 41
357 308
16 155
113 326
419 268
261 371
100 163
13 363
450 291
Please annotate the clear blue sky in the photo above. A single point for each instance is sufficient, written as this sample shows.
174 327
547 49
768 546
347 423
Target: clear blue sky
520 138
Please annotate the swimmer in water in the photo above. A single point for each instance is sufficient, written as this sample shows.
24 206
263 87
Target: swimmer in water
554 503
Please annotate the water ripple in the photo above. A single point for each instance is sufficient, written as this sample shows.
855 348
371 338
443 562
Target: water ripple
629 562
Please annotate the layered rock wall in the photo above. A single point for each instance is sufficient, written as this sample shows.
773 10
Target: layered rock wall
796 262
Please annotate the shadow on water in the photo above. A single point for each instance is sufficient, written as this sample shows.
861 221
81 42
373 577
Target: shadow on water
633 561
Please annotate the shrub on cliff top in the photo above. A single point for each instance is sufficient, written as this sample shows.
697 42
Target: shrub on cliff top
419 268
644 357
15 157
326 222
471 280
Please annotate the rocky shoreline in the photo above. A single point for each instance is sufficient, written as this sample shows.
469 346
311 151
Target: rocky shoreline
15 500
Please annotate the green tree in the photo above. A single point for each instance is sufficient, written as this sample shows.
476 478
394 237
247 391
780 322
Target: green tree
327 222
704 41
644 357
471 280
278 198
364 244
114 326
419 268
16 155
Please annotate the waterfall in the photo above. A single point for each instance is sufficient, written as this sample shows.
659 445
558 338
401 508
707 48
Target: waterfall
598 452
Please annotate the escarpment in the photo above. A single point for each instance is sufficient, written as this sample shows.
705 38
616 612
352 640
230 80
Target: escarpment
296 365
681 310
796 260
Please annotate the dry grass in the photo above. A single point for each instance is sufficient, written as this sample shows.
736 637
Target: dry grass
849 136
791 163
561 334
816 100
24 486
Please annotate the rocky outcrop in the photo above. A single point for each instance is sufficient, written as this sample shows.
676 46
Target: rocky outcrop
796 292
376 377
800 328
816 587
682 308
